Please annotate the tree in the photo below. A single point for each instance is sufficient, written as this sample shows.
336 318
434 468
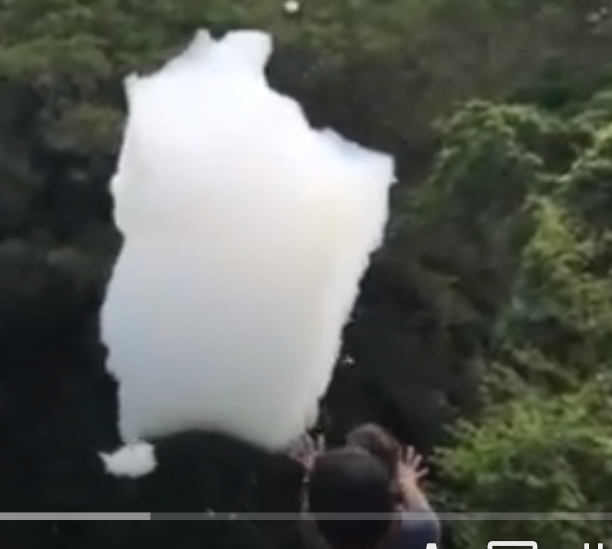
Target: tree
549 458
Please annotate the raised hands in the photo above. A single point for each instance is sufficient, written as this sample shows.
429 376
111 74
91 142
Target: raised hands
410 470
410 473
305 448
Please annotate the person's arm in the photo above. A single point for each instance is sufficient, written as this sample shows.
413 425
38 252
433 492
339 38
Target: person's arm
419 524
304 451
417 530
419 521
414 499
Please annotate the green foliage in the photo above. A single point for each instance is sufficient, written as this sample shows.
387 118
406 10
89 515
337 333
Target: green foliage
542 436
548 457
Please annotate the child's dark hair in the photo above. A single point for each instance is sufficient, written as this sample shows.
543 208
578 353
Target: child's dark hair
350 499
379 443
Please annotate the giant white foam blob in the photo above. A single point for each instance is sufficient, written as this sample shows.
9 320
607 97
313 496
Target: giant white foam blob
246 233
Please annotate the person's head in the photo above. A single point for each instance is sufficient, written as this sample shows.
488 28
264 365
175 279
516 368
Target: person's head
379 443
352 483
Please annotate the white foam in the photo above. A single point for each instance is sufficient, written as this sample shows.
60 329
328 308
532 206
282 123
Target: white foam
246 234
130 461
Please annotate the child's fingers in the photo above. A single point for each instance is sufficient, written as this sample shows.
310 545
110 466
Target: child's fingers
423 472
319 443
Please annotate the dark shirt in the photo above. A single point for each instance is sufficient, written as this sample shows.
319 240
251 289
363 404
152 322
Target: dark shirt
417 528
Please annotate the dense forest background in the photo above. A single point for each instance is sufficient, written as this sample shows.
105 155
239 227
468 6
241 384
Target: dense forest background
483 333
